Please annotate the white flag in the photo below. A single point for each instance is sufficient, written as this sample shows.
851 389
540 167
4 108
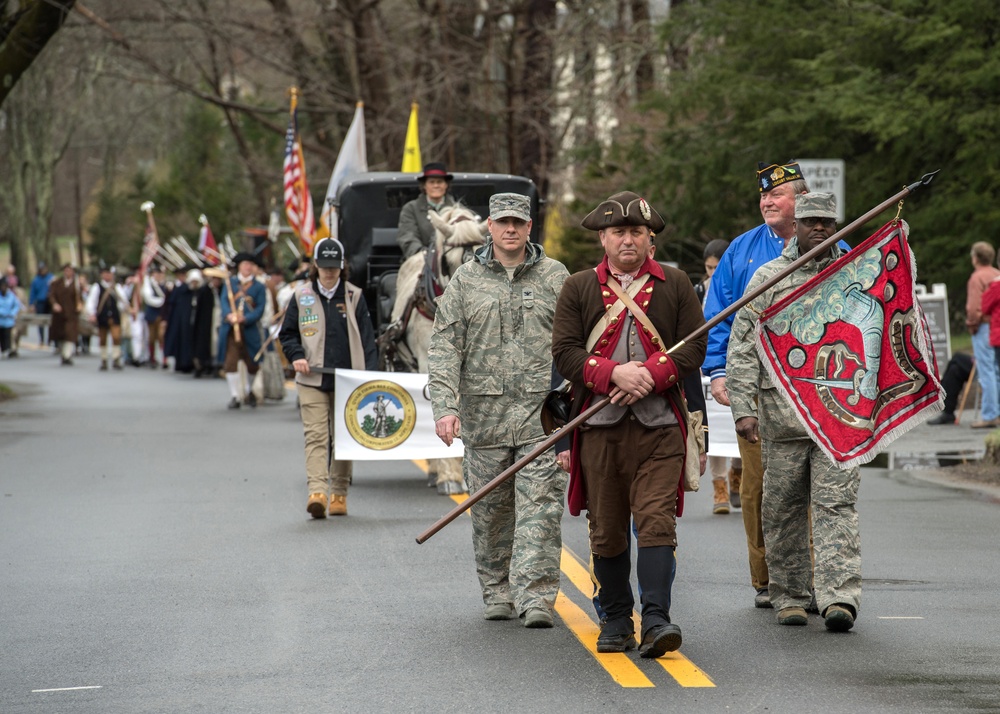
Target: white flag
352 159
385 416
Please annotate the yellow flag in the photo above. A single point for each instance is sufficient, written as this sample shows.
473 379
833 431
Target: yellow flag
411 154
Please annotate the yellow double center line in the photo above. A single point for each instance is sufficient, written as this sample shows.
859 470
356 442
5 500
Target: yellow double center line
617 664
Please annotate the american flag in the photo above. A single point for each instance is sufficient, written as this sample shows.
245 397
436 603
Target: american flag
298 202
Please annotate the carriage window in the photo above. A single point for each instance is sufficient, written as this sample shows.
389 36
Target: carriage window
474 194
398 196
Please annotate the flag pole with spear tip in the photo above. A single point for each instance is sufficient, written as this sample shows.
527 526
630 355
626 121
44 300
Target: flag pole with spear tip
575 423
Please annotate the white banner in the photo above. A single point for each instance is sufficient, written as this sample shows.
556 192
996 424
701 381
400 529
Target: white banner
721 428
385 416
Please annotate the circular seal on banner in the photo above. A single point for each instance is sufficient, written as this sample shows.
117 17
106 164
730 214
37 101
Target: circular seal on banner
380 415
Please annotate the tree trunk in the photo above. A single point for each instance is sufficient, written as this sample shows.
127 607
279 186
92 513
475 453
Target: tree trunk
36 25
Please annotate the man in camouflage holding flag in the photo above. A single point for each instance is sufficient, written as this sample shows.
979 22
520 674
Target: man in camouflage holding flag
490 370
798 475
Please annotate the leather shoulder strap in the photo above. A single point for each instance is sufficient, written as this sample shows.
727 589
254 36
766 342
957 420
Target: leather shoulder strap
636 311
616 309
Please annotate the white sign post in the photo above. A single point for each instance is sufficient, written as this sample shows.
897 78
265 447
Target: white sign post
827 176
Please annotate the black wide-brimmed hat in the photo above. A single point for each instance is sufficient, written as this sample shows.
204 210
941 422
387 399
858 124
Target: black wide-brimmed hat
624 209
435 169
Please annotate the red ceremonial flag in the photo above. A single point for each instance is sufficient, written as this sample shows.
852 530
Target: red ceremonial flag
298 201
206 244
851 351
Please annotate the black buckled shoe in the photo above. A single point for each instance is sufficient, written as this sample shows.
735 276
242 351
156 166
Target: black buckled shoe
659 640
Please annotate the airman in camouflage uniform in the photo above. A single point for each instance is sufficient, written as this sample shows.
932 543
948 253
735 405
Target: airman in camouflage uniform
797 473
490 370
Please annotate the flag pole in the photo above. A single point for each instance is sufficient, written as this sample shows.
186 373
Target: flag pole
572 425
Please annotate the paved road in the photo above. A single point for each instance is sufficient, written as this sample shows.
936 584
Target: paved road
155 556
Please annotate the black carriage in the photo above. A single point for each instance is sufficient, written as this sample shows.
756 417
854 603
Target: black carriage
368 207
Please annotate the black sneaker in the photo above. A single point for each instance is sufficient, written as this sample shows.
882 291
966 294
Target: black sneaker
615 642
942 418
234 403
659 640
252 400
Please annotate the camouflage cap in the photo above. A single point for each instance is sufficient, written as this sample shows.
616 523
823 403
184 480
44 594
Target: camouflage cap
510 205
815 205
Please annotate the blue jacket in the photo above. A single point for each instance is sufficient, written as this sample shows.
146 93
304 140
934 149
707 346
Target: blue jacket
9 307
39 291
740 261
253 309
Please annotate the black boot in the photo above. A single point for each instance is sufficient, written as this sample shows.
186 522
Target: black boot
617 601
655 571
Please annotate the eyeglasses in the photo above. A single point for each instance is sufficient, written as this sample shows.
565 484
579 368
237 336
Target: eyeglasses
813 220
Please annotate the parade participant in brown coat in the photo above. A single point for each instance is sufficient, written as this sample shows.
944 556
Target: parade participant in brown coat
628 459
66 302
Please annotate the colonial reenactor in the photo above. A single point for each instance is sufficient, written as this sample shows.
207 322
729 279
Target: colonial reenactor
240 336
612 325
415 230
106 303
798 475
327 325
66 302
490 370
154 296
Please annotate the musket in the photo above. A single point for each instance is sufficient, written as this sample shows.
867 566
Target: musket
575 423
271 337
232 305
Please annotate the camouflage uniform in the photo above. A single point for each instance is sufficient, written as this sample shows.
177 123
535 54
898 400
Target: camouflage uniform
491 366
797 473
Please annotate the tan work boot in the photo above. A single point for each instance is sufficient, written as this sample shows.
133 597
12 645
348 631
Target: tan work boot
735 479
338 505
317 505
721 505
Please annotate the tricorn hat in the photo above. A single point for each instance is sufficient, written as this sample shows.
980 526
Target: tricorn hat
329 253
435 169
242 255
773 175
624 209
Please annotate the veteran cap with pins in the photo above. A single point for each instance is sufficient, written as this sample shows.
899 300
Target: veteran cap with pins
773 175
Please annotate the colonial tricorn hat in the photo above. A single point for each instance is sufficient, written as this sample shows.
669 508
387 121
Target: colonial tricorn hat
435 169
624 209
242 255
772 176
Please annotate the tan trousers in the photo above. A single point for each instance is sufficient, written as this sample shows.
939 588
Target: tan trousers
751 492
323 473
115 332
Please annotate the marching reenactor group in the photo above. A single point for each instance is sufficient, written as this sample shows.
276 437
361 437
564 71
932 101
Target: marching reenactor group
511 324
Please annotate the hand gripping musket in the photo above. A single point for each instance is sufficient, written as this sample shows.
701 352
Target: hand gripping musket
228 282
600 404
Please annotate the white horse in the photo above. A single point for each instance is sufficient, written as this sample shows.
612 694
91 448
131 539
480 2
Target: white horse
422 277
